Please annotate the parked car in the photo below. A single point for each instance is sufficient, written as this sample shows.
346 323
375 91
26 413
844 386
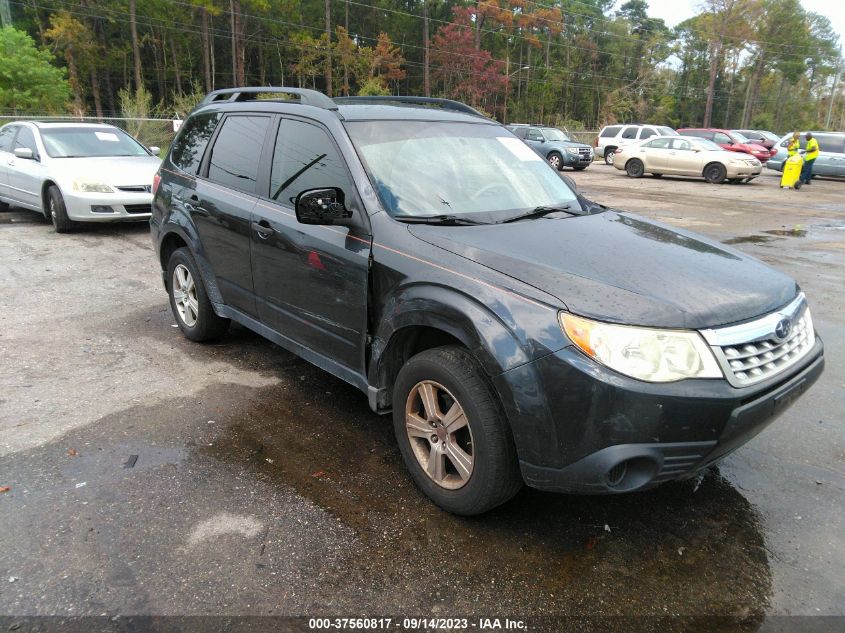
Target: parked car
612 137
760 137
686 156
517 331
555 146
831 160
76 172
731 141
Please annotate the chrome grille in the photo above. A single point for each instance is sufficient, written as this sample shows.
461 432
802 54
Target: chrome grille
754 351
585 154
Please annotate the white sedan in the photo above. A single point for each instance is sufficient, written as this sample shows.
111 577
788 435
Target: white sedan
76 172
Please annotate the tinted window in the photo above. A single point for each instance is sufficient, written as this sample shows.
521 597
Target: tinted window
305 158
659 143
26 139
722 138
629 132
237 152
830 143
647 132
520 131
534 135
613 130
7 133
190 145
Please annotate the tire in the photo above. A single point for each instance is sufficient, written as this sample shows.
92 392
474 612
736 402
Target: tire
657 175
194 315
635 168
490 474
608 155
555 160
715 173
57 211
4 206
580 167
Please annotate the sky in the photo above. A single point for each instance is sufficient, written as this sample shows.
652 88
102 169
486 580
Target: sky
675 11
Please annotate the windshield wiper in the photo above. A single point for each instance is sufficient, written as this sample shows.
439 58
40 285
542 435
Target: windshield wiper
453 220
537 212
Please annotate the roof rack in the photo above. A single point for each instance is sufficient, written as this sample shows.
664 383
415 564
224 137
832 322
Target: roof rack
446 104
306 96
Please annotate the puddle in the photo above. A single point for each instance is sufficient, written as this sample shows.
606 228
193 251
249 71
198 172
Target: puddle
750 239
794 232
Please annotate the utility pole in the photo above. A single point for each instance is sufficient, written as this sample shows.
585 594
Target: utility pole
328 48
426 76
833 90
5 13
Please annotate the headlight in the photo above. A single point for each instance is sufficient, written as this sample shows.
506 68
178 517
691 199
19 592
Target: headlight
643 353
572 150
91 187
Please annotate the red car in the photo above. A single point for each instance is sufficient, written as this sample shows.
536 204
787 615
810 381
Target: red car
731 141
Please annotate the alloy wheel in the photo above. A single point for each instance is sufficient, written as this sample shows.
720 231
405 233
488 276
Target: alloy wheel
439 434
554 161
185 295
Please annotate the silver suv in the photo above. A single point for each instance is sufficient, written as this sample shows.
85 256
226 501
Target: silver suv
613 137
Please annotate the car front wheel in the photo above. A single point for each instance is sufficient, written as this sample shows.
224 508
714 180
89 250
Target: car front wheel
57 211
191 307
715 173
556 161
452 433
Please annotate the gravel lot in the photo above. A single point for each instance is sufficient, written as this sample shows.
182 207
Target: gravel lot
151 475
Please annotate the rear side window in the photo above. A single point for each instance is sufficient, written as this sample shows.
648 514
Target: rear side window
647 132
629 132
6 135
611 131
236 153
520 131
830 143
534 135
305 158
26 139
190 146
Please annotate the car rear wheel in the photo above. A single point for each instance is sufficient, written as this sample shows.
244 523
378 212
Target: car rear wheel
635 168
191 307
452 433
556 160
608 155
715 173
57 211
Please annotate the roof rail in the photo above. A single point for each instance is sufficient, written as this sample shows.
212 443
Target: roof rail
446 104
306 96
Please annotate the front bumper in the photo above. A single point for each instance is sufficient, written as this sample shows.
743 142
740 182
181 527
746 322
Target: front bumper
107 207
744 171
583 428
577 160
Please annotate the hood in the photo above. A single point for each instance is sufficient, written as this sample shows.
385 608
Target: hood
622 268
753 148
111 170
567 144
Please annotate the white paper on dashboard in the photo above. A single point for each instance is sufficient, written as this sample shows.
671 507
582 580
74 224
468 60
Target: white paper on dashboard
107 136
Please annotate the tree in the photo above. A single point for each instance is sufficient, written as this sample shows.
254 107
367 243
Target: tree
28 80
75 39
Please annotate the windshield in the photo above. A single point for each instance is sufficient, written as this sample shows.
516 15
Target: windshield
554 134
667 131
424 168
708 146
78 142
739 138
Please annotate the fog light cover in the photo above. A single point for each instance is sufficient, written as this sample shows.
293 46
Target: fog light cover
100 208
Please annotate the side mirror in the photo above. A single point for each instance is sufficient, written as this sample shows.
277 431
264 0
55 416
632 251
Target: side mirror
154 150
25 153
322 206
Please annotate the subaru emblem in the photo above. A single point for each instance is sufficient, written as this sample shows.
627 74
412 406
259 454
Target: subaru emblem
783 328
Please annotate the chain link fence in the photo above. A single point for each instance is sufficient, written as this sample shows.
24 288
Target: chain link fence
151 132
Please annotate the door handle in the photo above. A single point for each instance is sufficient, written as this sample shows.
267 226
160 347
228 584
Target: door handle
263 229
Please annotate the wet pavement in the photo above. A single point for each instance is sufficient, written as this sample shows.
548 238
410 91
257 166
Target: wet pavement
151 475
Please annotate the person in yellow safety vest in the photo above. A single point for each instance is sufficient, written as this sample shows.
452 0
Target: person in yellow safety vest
810 155
794 144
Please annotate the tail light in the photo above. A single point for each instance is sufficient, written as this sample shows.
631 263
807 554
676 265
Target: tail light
156 183
596 142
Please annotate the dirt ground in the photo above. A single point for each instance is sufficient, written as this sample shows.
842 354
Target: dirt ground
151 475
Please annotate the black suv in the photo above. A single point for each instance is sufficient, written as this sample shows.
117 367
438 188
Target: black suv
517 331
